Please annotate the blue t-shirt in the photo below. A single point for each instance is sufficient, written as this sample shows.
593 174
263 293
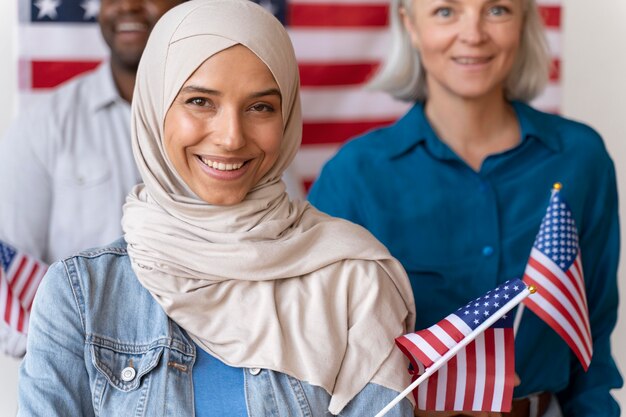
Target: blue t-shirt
218 388
460 233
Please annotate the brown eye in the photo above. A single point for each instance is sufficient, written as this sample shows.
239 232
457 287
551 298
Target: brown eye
262 107
198 101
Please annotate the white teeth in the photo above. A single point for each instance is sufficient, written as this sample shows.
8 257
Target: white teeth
470 61
131 27
220 166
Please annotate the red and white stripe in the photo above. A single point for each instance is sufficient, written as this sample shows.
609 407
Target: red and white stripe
14 315
479 377
561 301
18 285
23 277
339 45
429 345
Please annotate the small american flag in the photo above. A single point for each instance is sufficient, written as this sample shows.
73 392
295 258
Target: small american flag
555 269
20 276
480 377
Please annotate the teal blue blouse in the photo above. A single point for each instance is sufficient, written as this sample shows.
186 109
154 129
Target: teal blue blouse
459 232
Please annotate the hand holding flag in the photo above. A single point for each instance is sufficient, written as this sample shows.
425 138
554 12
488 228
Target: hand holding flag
20 276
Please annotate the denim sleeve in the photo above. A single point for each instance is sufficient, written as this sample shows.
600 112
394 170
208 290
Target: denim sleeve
53 375
588 393
374 398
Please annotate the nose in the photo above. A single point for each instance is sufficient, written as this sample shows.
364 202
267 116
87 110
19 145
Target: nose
130 5
473 29
228 130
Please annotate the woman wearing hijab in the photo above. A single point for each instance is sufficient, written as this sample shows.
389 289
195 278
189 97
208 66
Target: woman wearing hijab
457 188
225 298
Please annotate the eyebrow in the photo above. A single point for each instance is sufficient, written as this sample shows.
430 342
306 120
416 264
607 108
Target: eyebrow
268 92
198 89
497 1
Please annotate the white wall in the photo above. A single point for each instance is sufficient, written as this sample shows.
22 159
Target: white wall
594 90
8 82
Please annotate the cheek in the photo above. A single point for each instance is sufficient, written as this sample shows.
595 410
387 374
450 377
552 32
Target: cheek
434 42
439 38
510 36
156 9
176 135
270 143
514 44
510 45
181 130
172 150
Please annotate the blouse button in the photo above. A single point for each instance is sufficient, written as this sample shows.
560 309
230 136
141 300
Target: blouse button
255 371
128 374
488 251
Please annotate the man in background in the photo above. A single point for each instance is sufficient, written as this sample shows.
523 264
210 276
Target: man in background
66 164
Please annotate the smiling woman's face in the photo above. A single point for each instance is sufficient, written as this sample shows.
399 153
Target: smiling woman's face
223 131
467 47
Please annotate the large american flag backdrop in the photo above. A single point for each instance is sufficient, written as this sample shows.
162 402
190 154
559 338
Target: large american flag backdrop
338 43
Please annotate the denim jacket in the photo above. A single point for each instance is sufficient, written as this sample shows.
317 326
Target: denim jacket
100 345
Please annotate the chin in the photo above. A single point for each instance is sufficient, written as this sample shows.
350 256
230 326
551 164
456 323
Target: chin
474 93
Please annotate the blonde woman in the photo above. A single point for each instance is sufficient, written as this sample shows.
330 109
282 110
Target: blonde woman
457 188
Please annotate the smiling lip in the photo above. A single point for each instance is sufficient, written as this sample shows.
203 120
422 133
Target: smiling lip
472 61
223 169
130 27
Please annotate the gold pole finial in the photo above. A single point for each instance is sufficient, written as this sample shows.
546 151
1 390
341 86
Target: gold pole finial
532 289
557 186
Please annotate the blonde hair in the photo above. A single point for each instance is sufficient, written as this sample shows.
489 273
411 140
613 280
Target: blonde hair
403 76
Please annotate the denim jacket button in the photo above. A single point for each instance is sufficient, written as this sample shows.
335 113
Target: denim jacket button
128 374
255 371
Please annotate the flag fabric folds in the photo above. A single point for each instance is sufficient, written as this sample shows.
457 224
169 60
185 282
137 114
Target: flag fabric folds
480 377
555 269
20 276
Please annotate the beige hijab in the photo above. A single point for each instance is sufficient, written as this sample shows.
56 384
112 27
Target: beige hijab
266 283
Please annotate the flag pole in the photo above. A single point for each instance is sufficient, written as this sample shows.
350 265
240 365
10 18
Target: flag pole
453 351
518 318
520 311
